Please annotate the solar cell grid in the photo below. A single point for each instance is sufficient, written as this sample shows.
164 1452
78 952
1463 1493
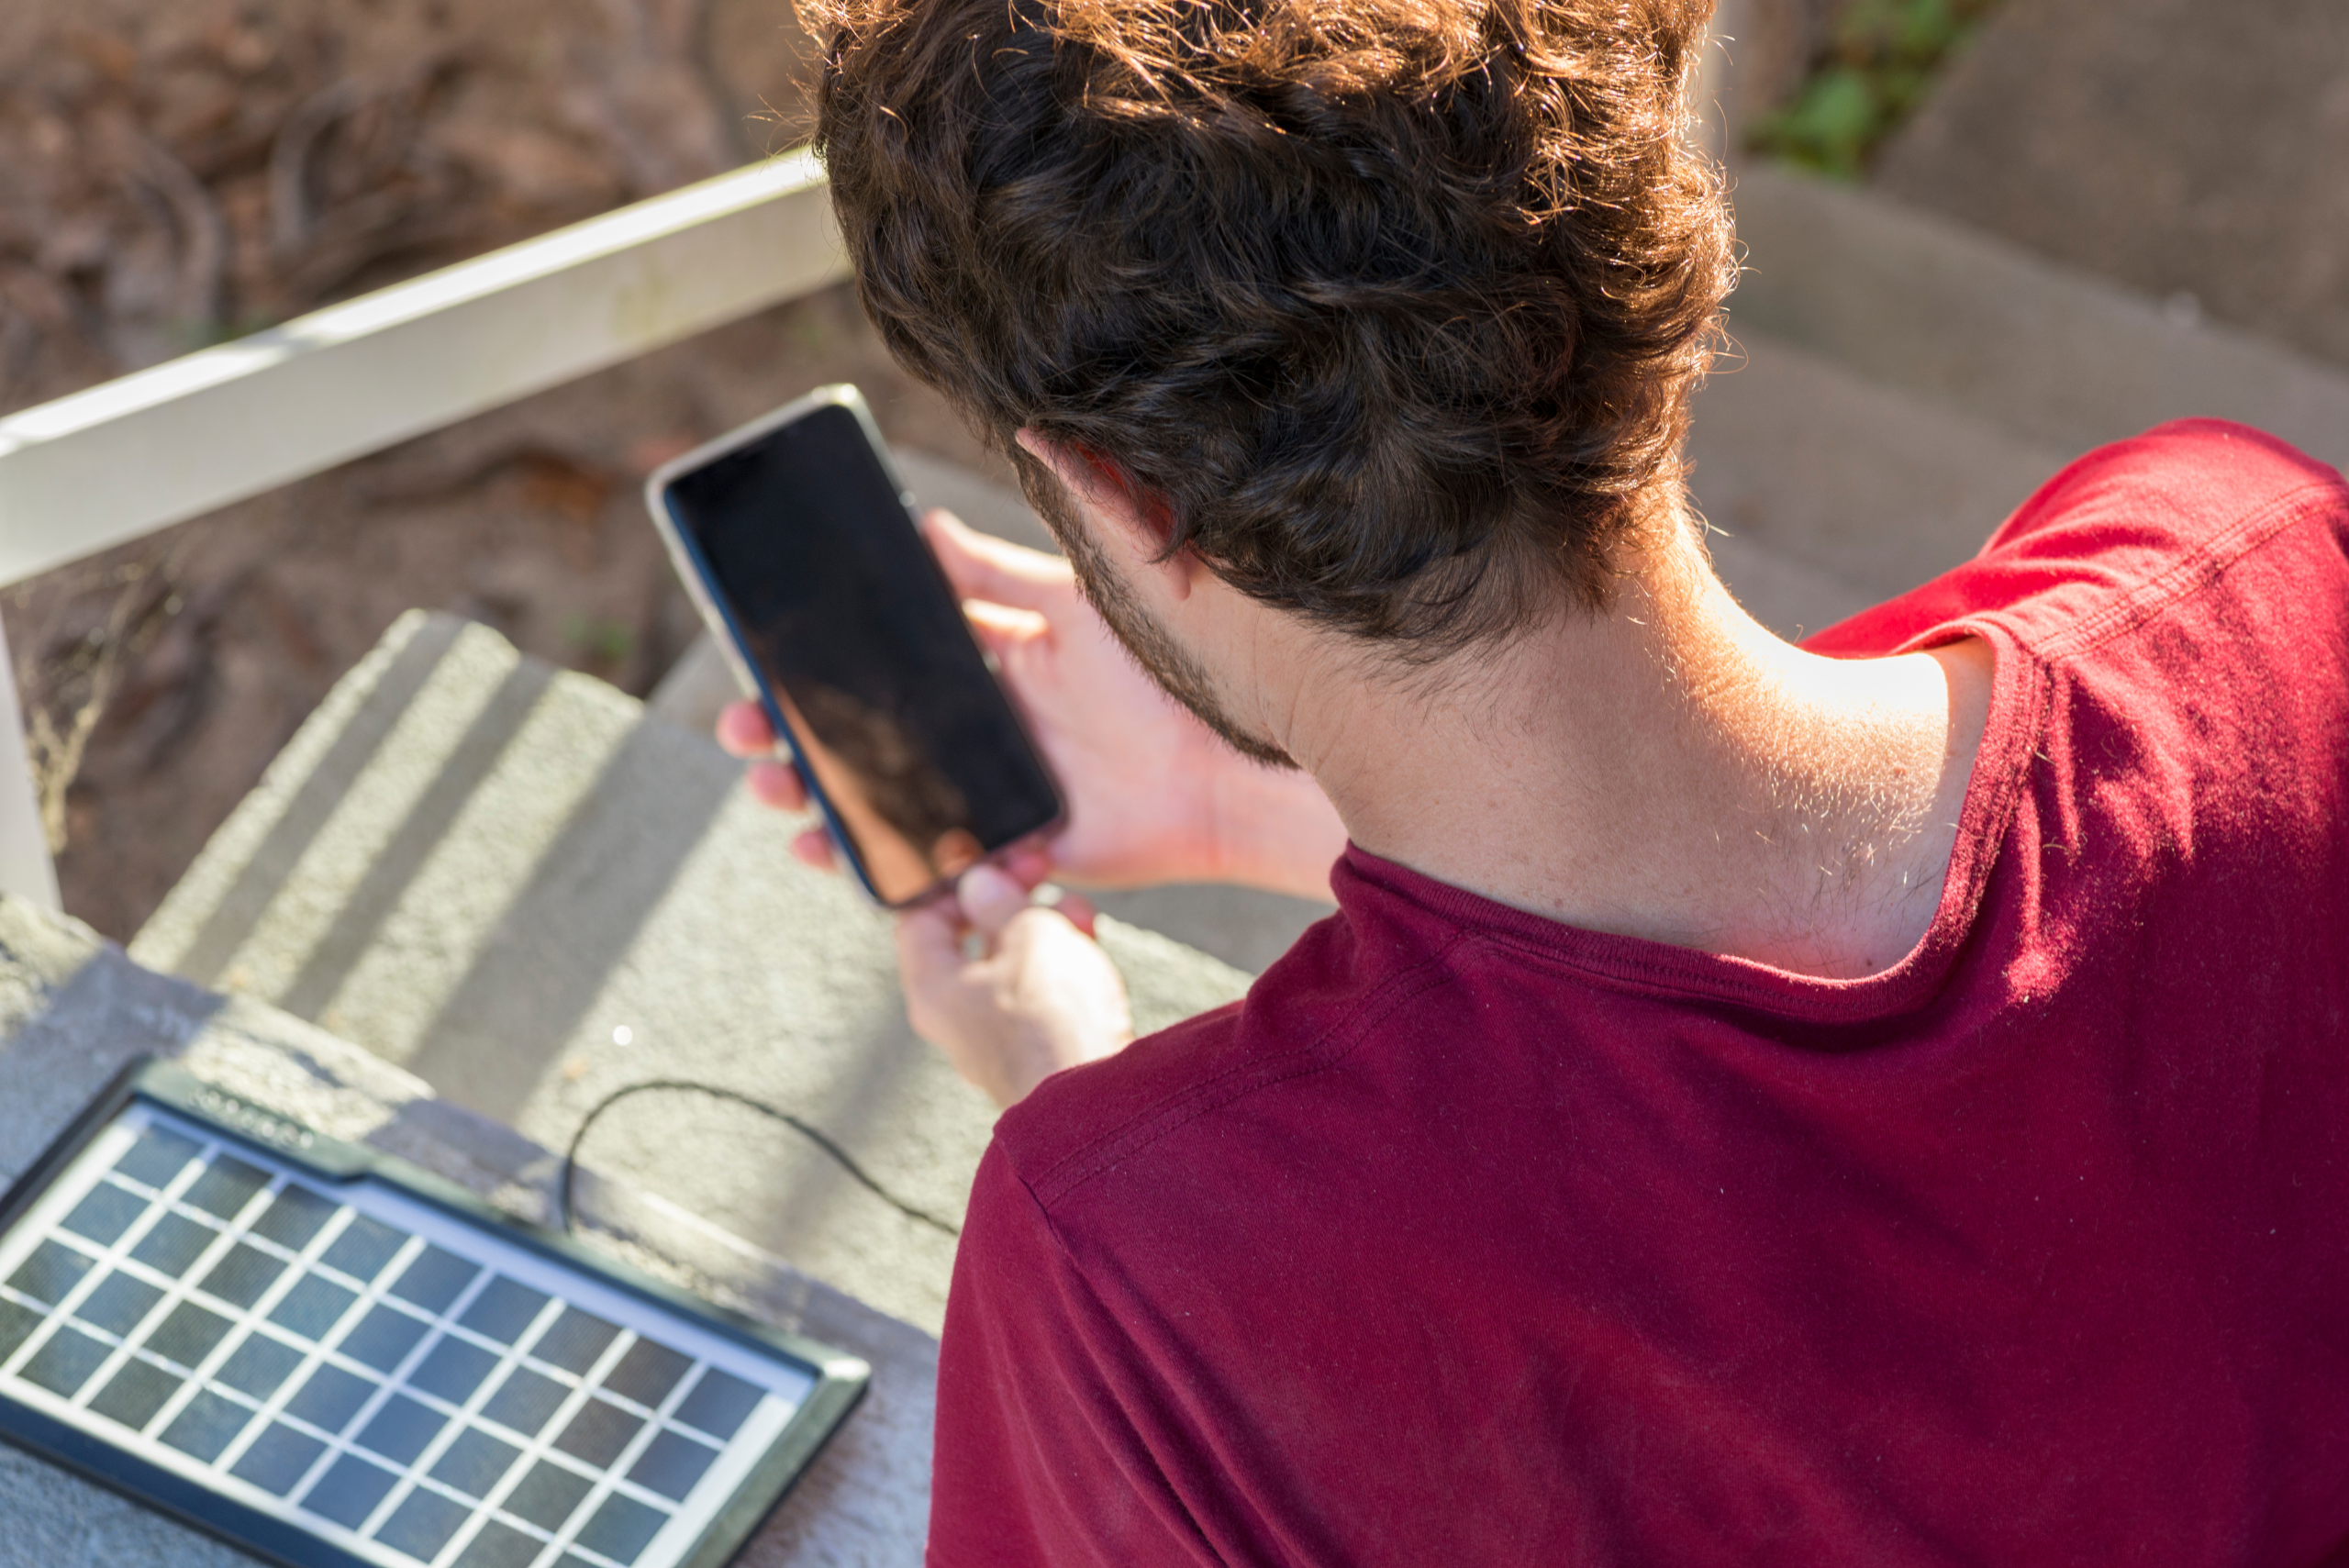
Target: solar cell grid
366 1368
52 1271
119 1303
362 1249
17 1324
66 1361
647 1373
259 1364
135 1392
524 1400
475 1462
597 1432
157 1157
226 1186
452 1369
330 1398
187 1334
547 1495
279 1458
401 1428
574 1341
670 1464
242 1274
505 1310
383 1339
294 1215
718 1404
500 1545
105 1213
205 1424
349 1492
422 1525
313 1306
172 1243
434 1279
622 1528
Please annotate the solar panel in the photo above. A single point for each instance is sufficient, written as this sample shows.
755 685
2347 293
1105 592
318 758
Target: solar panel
332 1358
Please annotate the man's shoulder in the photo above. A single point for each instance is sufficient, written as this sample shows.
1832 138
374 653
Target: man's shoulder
2190 469
1344 978
2123 525
1078 1118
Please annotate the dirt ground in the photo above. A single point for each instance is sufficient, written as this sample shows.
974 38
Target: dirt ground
173 175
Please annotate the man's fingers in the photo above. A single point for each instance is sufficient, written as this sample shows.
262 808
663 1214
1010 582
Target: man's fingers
989 899
814 848
1000 629
929 948
777 784
744 730
1028 864
1079 911
984 567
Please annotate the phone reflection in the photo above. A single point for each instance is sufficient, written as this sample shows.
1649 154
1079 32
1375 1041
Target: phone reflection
910 825
803 538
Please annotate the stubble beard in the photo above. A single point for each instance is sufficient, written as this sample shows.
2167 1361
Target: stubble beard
1149 644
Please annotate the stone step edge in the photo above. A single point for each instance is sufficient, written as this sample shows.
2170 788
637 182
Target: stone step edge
1910 299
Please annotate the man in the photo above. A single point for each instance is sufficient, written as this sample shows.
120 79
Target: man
1880 1101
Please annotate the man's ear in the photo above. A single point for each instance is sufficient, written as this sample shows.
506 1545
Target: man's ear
1106 491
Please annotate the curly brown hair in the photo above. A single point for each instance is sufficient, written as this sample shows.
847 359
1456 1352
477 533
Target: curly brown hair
1397 305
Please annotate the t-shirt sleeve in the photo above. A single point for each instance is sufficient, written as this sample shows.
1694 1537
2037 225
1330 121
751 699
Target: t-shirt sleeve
1040 1457
2107 524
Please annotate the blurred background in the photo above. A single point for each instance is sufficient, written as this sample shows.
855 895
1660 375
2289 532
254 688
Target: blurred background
177 175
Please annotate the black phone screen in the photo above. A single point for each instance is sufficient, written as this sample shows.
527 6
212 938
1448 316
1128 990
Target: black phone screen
859 639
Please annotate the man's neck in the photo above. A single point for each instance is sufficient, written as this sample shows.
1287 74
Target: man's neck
1667 769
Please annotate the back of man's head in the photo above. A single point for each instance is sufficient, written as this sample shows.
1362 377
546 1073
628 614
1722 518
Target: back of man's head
1396 305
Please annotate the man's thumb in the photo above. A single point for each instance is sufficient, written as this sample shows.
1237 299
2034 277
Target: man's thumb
989 899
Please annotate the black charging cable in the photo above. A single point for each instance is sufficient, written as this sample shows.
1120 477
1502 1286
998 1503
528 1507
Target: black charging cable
814 1135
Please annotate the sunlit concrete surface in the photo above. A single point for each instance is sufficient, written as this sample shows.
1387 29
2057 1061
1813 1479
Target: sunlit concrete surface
518 886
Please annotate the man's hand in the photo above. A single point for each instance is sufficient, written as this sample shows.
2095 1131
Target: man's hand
1039 995
1154 796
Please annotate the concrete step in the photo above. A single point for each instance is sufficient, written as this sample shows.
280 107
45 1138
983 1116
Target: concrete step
1950 316
1828 492
514 884
1907 381
2191 149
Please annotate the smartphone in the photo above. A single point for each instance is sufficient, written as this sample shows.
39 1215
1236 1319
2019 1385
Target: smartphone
797 541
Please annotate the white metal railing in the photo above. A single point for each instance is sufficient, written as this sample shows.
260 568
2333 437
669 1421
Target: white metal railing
138 453
25 867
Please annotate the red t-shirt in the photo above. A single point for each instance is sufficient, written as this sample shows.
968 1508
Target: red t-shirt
1473 1238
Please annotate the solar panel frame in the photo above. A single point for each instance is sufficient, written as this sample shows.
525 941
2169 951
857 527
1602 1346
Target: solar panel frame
835 1381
